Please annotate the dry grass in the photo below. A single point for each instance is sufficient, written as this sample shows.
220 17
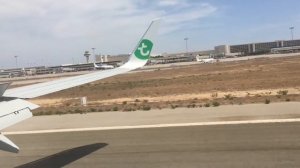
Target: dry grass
227 83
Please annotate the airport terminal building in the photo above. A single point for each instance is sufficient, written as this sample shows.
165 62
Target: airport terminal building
274 47
282 46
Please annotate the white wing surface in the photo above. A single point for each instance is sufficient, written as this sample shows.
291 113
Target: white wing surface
12 112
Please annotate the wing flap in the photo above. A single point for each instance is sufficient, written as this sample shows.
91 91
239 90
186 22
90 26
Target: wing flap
14 111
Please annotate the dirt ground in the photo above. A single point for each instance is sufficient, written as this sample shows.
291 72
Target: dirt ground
252 81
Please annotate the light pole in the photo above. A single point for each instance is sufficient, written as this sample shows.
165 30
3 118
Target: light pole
186 45
292 32
16 57
94 55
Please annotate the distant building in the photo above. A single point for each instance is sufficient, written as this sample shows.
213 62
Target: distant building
255 48
116 58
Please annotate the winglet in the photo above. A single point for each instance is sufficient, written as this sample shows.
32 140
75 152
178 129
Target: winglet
142 51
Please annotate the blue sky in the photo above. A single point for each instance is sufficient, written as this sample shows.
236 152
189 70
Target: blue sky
54 32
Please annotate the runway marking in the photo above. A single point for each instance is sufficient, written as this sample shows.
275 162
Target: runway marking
155 126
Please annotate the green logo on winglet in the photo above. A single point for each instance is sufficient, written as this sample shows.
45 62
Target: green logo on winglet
144 49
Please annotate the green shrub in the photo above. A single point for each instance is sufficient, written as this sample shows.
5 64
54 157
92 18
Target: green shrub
38 113
215 104
206 105
58 112
257 95
146 108
282 92
214 95
78 111
129 109
67 104
191 105
115 108
228 97
267 101
174 106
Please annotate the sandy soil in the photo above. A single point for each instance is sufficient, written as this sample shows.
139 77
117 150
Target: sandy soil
259 74
170 98
257 78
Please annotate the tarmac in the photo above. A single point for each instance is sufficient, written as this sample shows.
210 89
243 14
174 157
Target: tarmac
256 135
285 110
249 145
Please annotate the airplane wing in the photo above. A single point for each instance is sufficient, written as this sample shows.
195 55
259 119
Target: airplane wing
13 109
137 59
12 112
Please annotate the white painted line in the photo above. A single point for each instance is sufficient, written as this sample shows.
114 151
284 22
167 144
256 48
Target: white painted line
155 126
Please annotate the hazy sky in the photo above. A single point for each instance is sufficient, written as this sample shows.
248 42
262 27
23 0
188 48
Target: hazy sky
54 32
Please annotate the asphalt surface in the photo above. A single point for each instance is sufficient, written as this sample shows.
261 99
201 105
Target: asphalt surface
247 145
285 110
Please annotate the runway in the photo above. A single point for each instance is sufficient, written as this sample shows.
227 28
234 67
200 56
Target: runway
268 145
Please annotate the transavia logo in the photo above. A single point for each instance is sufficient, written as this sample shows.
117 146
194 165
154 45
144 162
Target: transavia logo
144 49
